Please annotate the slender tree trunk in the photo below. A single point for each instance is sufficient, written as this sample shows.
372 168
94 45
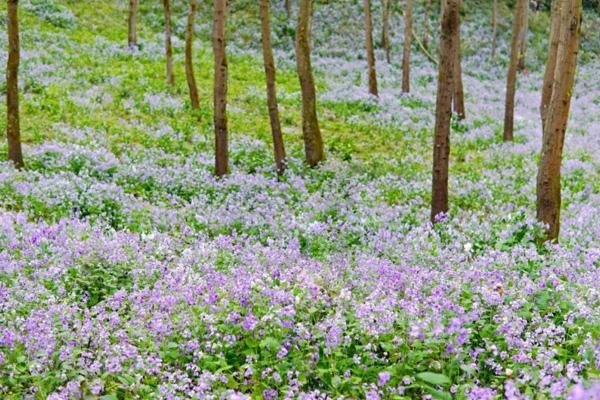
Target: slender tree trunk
168 46
189 58
494 27
443 108
551 60
370 52
13 131
548 179
385 30
459 94
523 48
220 88
278 147
132 24
313 143
511 80
408 23
427 28
288 8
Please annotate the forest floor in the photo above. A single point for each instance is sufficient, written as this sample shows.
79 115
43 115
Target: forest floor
128 271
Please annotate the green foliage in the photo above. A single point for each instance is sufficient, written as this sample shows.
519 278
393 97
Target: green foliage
51 12
93 281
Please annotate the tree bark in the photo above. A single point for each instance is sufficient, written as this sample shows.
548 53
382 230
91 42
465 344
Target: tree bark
494 27
132 24
288 8
189 57
385 30
13 130
511 80
313 143
551 60
443 108
523 48
168 46
269 63
408 22
427 33
372 72
459 95
548 179
220 88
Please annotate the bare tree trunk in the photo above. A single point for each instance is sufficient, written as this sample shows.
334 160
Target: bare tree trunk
132 24
551 60
511 80
408 21
459 94
313 143
278 147
288 8
427 33
370 52
385 30
168 46
13 130
220 88
443 108
189 58
523 48
494 27
548 179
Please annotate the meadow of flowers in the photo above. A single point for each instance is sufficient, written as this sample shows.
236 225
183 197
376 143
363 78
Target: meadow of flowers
128 271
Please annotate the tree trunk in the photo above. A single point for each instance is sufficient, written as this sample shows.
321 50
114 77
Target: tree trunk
288 8
459 95
494 27
427 18
132 24
551 60
511 80
427 22
443 108
369 46
523 48
189 59
385 30
278 147
168 46
548 179
220 88
313 143
13 131
408 20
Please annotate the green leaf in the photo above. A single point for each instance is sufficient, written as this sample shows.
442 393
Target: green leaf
433 378
269 343
336 381
437 394
468 369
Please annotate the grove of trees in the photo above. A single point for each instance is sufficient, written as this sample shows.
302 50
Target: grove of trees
554 110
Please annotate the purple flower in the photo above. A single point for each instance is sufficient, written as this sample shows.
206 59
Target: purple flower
481 393
372 395
383 378
270 394
249 322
